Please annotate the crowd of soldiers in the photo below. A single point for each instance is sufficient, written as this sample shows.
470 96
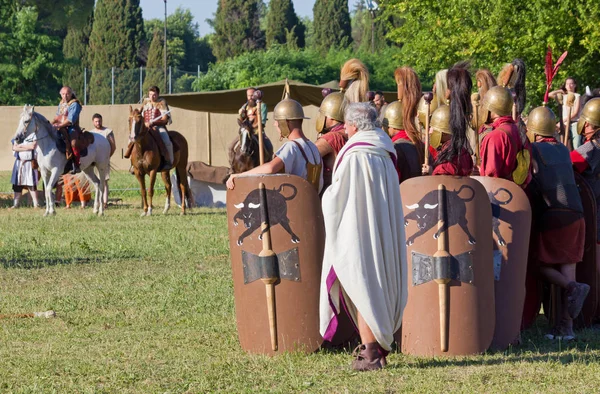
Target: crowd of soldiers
482 133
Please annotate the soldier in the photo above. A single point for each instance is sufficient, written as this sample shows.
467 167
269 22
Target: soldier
559 236
332 136
67 122
354 81
298 156
380 104
503 155
246 112
364 266
455 155
586 158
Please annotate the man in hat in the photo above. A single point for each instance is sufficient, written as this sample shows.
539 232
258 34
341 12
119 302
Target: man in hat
332 136
298 156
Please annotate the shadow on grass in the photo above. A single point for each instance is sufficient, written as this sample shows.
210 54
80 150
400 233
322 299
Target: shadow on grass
34 263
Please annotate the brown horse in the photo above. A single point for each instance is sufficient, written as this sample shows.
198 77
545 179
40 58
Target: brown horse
145 159
244 152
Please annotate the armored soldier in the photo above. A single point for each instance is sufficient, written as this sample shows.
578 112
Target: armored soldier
298 156
332 136
559 236
408 145
503 154
67 122
455 156
157 116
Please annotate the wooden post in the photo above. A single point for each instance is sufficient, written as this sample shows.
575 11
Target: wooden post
261 144
475 98
208 139
442 252
570 101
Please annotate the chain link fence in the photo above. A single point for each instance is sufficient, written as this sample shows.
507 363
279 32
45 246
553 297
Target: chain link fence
119 86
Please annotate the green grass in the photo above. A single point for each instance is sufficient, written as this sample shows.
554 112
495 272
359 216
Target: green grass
145 305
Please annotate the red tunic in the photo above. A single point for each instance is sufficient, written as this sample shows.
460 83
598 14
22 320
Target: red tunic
336 138
464 167
499 150
402 135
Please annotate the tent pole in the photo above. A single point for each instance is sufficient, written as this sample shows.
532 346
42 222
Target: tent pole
208 144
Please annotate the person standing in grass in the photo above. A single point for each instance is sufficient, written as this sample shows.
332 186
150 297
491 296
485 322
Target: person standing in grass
364 265
109 135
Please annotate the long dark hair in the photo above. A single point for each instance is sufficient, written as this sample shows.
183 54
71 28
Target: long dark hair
459 85
409 84
520 96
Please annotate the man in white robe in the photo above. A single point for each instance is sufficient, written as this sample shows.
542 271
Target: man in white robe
364 266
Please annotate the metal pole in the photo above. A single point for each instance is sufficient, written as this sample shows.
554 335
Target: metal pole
113 85
85 86
165 48
170 75
141 78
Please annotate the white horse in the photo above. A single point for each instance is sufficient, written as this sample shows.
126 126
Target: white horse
52 162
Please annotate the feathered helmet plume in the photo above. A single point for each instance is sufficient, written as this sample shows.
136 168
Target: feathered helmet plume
551 71
354 70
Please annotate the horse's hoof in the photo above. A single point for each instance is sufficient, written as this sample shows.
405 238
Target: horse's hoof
182 213
143 214
165 211
46 214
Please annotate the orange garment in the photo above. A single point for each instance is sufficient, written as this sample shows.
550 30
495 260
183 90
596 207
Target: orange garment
74 191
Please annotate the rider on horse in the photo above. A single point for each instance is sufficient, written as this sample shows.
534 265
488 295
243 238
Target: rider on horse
67 122
157 116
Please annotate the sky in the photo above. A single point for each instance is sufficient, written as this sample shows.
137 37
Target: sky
204 9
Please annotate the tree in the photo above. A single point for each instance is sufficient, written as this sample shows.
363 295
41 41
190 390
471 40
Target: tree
362 27
154 65
283 25
332 28
237 28
185 48
29 60
115 40
75 51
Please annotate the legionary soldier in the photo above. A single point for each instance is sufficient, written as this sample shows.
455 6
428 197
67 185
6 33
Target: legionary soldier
559 236
586 158
503 154
453 123
332 136
298 156
67 122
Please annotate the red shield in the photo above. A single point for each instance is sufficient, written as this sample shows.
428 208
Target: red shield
297 236
511 228
469 294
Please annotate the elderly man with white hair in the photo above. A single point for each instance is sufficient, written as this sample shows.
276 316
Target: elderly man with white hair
364 267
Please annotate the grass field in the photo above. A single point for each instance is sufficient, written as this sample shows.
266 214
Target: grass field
145 305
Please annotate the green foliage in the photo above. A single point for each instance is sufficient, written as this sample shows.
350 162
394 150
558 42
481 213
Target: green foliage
75 51
185 48
332 28
362 27
237 28
435 34
58 16
283 25
279 62
115 40
155 64
29 59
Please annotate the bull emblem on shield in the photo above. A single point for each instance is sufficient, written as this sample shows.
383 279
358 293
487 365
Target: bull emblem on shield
496 210
249 212
425 213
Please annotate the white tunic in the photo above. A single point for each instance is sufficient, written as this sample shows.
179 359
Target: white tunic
365 254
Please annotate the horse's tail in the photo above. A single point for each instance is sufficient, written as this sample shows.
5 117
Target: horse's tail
290 185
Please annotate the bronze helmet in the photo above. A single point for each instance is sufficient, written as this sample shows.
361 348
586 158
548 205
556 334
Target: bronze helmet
541 121
422 109
393 116
498 100
287 109
589 114
332 106
440 124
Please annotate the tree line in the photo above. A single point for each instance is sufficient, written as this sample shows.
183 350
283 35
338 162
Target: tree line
47 44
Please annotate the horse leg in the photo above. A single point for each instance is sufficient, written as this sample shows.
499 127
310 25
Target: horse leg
91 175
184 190
142 180
50 178
167 181
151 191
